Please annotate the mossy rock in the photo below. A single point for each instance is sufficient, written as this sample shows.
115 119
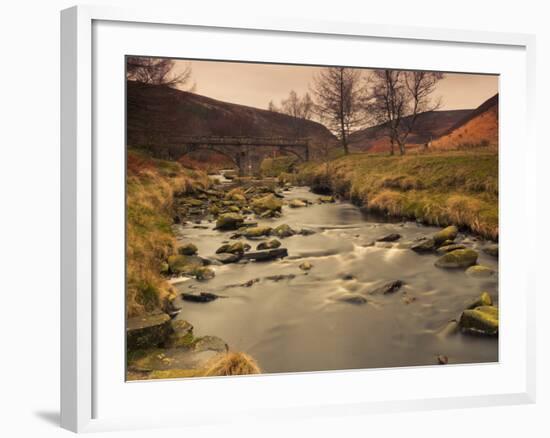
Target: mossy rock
229 221
174 374
352 298
448 248
283 231
164 268
480 271
234 209
255 232
483 300
226 257
270 244
176 340
305 266
326 199
481 320
297 203
187 249
236 195
492 250
147 331
183 264
193 202
233 248
459 258
423 245
214 210
204 273
445 234
268 204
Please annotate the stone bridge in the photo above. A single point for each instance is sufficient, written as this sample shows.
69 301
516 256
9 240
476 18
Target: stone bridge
246 153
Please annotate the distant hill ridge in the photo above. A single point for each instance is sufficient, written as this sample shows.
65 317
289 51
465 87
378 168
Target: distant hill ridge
479 128
154 112
428 126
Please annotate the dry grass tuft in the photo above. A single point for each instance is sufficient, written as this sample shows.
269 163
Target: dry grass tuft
232 364
150 187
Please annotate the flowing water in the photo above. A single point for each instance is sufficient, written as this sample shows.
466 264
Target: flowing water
296 323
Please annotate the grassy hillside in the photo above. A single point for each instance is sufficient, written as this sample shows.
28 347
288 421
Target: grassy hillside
480 127
428 125
439 188
154 112
150 186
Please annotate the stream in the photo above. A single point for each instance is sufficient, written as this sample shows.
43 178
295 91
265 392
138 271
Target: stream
295 322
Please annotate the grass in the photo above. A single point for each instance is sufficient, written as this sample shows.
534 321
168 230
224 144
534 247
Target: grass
150 188
442 188
271 167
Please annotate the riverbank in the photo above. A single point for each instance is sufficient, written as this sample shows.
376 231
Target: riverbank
150 188
459 188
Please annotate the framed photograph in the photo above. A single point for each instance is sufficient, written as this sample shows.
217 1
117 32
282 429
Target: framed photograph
291 218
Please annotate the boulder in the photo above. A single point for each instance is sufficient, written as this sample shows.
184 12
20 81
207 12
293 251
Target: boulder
236 195
226 257
326 199
267 205
448 233
210 343
182 335
238 247
482 320
283 231
492 250
203 297
448 248
270 244
483 300
388 288
306 232
148 331
480 271
204 273
193 202
459 258
423 245
187 249
229 221
183 264
392 237
352 298
256 232
269 254
297 203
305 266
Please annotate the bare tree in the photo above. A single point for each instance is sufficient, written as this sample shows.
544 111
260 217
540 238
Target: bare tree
272 107
157 71
395 98
338 96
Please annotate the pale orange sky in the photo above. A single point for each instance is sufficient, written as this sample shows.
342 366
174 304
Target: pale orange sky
256 84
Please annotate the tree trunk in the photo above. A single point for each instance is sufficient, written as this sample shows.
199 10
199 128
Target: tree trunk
402 148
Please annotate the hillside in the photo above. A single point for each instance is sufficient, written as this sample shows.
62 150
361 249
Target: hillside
428 125
479 128
156 111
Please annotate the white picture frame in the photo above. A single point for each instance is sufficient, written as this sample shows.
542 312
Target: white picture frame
85 401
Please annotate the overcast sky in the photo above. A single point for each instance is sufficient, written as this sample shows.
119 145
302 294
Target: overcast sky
256 84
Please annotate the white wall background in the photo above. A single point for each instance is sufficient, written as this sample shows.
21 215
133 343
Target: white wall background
29 217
